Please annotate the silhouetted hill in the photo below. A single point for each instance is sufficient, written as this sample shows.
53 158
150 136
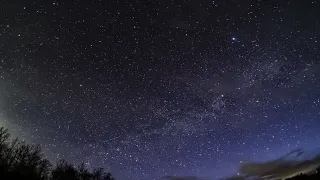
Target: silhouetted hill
311 176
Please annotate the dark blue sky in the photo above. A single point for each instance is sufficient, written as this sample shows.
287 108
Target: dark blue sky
152 88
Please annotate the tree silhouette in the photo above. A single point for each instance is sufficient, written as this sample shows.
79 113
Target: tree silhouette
65 170
19 160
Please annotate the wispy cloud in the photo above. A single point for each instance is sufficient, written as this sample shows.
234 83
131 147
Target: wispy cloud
293 163
286 166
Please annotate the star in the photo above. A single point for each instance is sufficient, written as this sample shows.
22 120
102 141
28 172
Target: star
133 87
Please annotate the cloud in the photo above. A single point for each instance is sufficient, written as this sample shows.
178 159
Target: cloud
289 165
286 166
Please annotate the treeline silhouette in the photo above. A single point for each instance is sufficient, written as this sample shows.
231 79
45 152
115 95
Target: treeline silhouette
314 175
19 160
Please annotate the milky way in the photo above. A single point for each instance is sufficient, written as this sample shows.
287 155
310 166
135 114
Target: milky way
152 88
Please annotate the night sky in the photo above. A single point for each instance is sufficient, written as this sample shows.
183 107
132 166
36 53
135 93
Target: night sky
151 88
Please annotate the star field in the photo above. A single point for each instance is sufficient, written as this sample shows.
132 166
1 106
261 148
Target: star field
151 88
